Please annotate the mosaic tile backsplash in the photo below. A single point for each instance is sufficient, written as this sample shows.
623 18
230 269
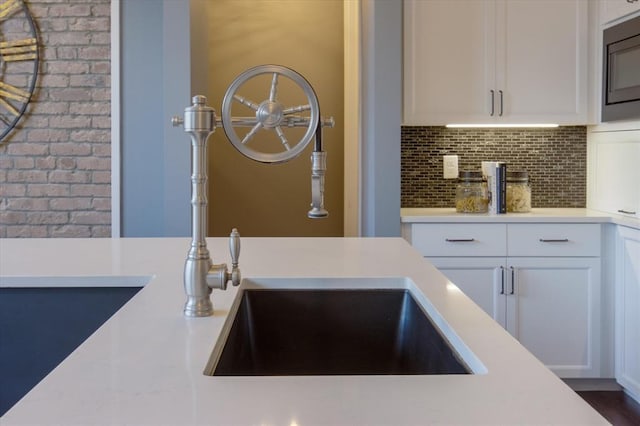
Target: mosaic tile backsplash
556 160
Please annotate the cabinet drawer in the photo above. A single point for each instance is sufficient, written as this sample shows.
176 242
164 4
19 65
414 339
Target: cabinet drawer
438 239
566 239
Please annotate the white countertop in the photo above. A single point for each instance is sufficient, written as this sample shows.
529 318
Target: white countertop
144 366
537 215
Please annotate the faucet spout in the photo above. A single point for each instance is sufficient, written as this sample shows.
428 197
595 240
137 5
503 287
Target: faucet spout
318 171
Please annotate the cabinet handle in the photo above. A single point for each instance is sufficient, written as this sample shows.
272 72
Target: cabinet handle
562 240
626 211
493 95
631 1
459 240
501 280
513 280
501 103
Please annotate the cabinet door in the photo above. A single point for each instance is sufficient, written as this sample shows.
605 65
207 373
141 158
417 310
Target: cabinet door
614 172
542 61
553 309
449 56
628 310
486 61
479 278
611 10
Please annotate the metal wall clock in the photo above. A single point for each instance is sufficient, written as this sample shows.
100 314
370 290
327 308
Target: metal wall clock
19 59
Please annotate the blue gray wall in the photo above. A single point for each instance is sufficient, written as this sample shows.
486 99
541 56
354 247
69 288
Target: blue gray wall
155 85
381 110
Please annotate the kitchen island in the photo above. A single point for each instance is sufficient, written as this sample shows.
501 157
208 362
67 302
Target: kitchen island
145 364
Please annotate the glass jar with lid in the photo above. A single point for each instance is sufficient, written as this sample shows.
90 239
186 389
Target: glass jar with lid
472 195
518 192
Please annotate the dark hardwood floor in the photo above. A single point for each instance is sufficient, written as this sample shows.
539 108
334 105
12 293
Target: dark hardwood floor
615 406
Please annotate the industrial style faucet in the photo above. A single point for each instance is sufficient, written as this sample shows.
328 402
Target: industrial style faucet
200 275
200 121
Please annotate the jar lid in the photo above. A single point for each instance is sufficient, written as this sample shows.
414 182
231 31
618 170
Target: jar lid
470 176
519 176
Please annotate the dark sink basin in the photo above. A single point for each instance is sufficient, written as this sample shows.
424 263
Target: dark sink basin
333 332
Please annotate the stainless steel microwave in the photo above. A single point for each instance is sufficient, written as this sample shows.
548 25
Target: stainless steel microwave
621 71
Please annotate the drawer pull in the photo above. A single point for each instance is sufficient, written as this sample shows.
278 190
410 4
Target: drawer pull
513 280
562 240
459 240
626 211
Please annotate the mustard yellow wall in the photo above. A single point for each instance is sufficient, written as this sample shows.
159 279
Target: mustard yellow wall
307 36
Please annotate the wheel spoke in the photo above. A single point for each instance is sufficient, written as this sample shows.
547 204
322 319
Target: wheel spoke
244 101
252 132
274 88
283 138
293 110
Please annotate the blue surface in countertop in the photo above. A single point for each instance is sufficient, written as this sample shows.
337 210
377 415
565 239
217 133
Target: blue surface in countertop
40 327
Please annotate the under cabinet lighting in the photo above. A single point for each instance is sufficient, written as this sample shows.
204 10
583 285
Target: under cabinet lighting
503 126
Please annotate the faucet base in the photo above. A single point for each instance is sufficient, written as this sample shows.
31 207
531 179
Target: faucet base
198 306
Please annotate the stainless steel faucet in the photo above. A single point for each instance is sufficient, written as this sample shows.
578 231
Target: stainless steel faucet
200 274
200 121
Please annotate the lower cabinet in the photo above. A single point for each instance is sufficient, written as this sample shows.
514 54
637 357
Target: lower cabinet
551 305
541 282
627 318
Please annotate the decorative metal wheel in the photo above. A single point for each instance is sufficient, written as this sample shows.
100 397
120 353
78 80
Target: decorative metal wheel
19 59
271 115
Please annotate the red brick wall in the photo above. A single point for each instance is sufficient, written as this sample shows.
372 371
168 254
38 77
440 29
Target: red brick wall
55 170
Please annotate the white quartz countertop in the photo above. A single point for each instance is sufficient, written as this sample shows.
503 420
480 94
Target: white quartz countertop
537 215
144 366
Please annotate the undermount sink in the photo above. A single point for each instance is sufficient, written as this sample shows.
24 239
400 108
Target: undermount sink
331 327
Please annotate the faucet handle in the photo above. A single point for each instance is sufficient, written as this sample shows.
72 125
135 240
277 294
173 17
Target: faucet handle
234 248
177 121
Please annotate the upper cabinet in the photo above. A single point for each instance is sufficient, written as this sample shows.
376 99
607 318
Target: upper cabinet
495 61
610 10
613 173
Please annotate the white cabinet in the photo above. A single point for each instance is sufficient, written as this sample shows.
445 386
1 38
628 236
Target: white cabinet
539 281
449 52
627 317
480 278
614 172
553 309
610 10
484 61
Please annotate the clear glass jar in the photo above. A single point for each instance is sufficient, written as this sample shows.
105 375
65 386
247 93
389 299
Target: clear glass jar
472 195
518 192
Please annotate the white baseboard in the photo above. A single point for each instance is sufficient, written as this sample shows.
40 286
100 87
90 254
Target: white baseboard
593 384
